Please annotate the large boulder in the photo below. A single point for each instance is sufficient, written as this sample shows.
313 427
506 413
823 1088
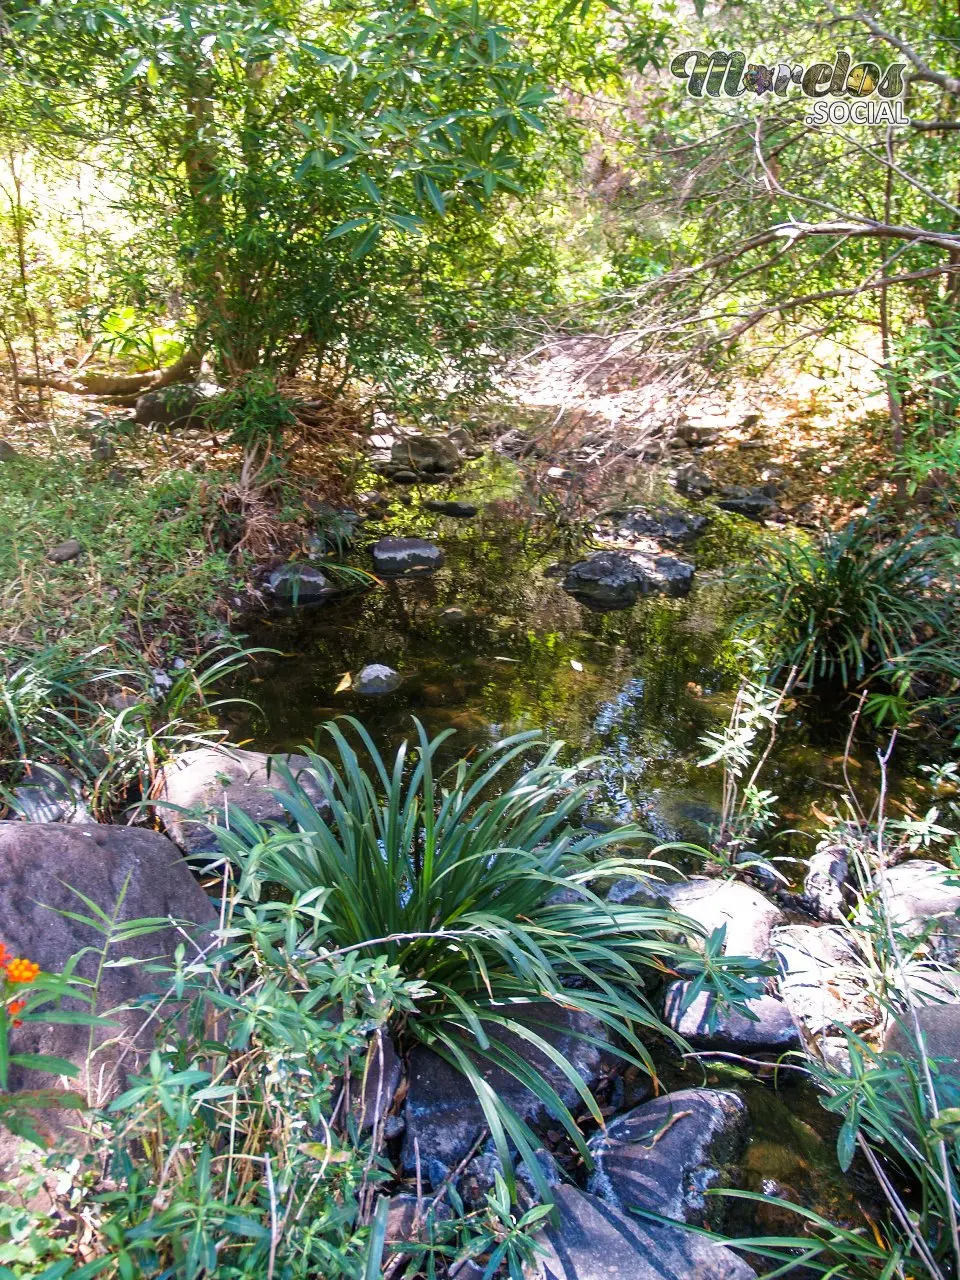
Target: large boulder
594 1241
125 871
175 408
664 1155
940 1028
431 454
822 979
924 900
395 557
616 580
747 916
50 797
771 1029
443 1116
205 780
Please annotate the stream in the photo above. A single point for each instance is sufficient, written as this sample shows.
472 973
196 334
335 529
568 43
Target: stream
638 688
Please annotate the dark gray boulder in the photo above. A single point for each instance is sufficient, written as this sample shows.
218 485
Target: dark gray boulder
65 551
459 510
7 451
594 1241
754 504
375 678
670 524
772 1031
430 454
664 1155
616 580
124 870
395 557
204 781
823 885
692 482
175 408
443 1116
301 583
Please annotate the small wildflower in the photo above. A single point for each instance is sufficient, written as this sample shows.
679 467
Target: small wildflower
20 970
18 1006
5 956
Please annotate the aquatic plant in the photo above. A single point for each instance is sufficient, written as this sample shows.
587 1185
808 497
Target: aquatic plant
846 606
480 887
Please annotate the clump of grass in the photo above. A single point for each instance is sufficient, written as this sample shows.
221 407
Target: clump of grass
453 879
850 604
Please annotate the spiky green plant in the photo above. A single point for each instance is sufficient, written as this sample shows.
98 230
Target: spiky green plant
849 604
455 878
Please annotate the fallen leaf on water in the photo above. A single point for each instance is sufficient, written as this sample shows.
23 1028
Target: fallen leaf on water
346 682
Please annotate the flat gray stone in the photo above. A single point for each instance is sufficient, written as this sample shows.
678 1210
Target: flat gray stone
774 1030
940 1028
616 580
7 451
65 551
595 1241
395 557
459 510
202 781
664 1155
301 583
375 679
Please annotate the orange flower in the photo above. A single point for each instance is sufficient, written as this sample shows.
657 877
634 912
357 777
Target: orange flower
20 970
5 956
17 1007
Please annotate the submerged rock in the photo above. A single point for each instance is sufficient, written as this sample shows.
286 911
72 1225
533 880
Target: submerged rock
394 557
616 580
459 510
301 583
443 1115
376 678
594 1241
204 781
664 1155
437 454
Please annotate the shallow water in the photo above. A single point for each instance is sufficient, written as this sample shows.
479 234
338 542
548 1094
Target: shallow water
638 687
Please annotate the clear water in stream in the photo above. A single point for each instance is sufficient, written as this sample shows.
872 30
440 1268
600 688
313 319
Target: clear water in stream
638 687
